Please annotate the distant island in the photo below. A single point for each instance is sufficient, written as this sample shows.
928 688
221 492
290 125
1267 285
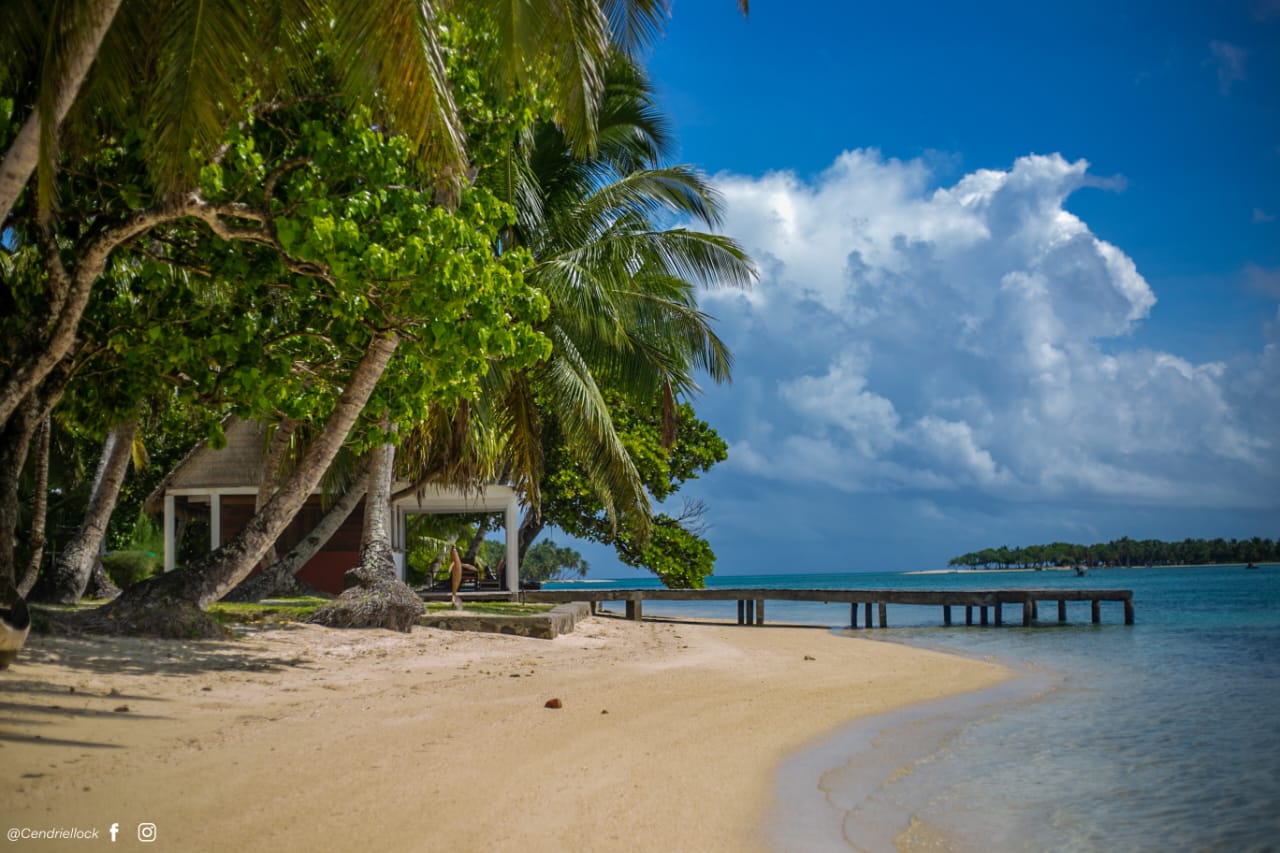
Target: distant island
1124 552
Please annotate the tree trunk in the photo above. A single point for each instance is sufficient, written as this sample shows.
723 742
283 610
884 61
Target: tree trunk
100 585
280 573
169 604
272 471
375 597
68 578
473 550
530 527
377 561
15 443
24 153
40 507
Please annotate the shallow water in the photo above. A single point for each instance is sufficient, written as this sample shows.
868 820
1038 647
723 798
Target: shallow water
1163 735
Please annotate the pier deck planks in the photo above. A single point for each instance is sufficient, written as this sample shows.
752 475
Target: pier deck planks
751 601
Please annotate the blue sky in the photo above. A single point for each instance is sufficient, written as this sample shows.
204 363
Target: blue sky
1020 274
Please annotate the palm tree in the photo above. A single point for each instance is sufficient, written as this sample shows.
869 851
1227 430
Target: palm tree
173 61
622 290
191 69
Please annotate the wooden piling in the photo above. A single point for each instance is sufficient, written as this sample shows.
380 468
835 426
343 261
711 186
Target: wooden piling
751 601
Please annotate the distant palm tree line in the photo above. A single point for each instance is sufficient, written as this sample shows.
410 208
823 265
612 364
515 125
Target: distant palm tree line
1125 552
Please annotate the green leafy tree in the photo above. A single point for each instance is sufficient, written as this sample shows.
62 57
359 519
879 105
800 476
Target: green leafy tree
376 270
547 561
674 550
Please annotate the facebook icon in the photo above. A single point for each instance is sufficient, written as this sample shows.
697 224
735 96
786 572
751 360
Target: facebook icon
115 827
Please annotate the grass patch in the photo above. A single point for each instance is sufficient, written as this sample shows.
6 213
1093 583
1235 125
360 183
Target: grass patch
266 611
493 608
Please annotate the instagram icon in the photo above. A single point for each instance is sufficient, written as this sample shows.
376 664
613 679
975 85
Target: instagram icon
146 832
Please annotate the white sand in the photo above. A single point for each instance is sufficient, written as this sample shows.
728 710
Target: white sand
302 738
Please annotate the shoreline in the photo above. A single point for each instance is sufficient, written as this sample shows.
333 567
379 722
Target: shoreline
842 790
671 734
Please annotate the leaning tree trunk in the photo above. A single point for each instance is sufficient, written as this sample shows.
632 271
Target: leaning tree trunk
68 578
24 152
100 586
40 507
272 472
375 597
170 604
281 573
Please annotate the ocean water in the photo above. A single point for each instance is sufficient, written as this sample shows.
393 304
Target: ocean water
1159 736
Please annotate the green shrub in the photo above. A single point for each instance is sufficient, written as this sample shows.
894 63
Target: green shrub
125 568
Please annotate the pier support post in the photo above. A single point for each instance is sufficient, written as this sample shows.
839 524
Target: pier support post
866 612
742 612
999 608
751 611
968 614
983 611
1128 611
634 609
853 615
1028 613
946 615
1062 610
1035 609
1097 610
884 615
759 611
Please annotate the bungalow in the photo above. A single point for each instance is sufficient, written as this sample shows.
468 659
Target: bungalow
221 486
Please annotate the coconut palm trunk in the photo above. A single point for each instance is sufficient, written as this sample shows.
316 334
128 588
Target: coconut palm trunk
281 573
40 507
376 597
40 128
66 580
168 605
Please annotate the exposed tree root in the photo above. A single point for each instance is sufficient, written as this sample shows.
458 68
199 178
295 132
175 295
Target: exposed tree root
372 600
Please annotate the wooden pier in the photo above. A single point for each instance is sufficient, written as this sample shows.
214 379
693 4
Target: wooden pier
988 605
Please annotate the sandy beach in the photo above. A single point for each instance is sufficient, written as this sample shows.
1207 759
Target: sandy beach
302 738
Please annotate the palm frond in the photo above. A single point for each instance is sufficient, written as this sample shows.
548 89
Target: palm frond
591 438
202 68
521 426
388 54
636 25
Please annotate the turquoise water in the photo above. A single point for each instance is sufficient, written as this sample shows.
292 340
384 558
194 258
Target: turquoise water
1163 735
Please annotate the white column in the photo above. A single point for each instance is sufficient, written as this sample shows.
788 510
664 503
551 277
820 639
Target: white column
215 521
512 521
170 522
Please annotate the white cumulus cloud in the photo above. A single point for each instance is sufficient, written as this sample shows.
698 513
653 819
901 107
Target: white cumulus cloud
971 337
